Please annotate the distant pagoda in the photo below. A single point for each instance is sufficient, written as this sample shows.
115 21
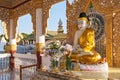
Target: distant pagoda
60 27
60 35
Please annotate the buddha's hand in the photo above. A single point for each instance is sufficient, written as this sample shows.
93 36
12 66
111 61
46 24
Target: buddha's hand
77 49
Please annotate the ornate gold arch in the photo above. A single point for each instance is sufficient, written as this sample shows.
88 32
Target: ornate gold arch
106 7
30 7
46 7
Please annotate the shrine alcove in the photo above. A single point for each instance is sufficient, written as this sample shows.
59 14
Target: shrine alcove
107 13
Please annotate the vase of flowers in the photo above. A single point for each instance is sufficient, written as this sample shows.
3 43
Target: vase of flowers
52 49
66 52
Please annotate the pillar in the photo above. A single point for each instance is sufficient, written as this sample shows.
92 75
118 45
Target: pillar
13 46
40 38
109 49
39 52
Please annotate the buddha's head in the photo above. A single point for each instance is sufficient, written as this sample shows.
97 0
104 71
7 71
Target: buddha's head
82 21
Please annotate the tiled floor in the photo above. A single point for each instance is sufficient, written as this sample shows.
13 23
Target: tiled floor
114 74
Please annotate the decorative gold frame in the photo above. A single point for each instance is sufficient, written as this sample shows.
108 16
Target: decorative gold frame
107 8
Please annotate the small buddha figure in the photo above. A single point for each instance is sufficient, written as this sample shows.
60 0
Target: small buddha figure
85 42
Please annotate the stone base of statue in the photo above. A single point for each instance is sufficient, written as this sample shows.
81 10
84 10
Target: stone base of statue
94 67
91 67
89 62
94 70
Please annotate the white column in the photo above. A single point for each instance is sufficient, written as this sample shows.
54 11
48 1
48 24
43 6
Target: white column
12 40
11 29
13 46
38 25
40 38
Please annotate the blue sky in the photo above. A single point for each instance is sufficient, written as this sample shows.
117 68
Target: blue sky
1 29
57 11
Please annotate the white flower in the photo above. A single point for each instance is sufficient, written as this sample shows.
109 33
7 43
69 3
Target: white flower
62 49
52 47
68 47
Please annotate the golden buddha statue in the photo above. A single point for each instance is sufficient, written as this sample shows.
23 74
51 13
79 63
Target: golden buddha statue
84 37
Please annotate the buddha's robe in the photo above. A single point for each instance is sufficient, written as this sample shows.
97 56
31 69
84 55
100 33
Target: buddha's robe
87 43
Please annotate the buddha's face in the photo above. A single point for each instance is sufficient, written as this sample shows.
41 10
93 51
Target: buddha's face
82 24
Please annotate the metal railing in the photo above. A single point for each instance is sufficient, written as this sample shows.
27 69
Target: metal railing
24 60
19 59
30 69
4 62
22 63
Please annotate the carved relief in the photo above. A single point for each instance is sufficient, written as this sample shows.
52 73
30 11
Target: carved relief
116 39
33 14
4 16
4 25
106 6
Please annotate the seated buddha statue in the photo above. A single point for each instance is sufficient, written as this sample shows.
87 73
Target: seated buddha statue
84 40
